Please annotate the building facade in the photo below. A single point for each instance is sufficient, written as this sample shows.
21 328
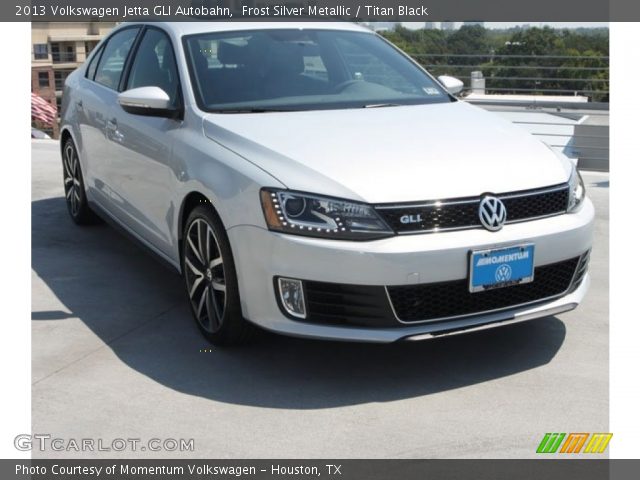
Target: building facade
57 49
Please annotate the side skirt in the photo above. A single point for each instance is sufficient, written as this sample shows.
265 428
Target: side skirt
146 246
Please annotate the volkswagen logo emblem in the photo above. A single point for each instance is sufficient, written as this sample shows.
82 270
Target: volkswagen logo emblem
492 213
503 273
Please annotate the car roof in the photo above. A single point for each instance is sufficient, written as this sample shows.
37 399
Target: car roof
189 28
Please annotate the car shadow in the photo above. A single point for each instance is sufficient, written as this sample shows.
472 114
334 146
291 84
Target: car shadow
138 308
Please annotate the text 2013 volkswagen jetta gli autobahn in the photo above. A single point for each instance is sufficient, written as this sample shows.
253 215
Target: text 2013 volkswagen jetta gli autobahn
313 180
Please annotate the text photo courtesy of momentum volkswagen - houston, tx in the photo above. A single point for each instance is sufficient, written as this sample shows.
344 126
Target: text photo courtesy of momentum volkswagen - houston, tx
318 239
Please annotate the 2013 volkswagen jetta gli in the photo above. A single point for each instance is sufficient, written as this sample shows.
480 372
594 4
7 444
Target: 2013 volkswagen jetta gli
315 181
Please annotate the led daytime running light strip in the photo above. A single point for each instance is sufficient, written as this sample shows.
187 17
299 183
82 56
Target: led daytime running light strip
283 221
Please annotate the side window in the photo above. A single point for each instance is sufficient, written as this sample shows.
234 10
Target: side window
155 65
112 61
91 69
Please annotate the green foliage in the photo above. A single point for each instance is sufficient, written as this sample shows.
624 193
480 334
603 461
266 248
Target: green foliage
516 60
469 39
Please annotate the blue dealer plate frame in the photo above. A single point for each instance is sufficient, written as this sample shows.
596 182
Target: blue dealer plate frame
501 267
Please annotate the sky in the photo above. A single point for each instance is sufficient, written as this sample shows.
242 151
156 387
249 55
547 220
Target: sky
532 24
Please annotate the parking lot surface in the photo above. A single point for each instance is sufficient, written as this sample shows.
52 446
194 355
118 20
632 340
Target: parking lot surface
115 354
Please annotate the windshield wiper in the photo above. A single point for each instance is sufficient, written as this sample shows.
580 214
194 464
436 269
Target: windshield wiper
381 105
252 110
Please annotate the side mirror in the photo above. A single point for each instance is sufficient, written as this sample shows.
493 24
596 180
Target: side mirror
149 101
452 84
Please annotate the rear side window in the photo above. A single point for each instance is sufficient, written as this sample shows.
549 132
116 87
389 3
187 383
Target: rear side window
155 65
93 64
115 53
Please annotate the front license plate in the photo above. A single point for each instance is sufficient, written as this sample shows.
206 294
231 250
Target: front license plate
500 267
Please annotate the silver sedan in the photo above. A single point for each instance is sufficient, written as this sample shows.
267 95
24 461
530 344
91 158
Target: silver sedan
313 180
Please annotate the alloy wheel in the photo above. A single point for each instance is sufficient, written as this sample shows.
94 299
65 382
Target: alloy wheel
205 275
72 185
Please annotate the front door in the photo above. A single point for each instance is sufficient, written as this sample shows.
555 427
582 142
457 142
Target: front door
143 171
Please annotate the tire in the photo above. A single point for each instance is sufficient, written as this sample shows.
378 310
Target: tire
74 191
210 279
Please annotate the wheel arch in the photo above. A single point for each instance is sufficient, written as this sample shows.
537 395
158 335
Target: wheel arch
65 134
68 132
189 202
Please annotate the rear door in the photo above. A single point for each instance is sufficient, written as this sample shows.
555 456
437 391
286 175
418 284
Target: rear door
95 107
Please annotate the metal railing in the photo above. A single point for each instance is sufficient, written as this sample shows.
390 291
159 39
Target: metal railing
517 74
63 57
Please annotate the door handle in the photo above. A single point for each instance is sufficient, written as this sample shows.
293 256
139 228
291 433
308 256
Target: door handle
112 131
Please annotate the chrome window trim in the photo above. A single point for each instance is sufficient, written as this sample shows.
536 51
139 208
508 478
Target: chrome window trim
432 203
501 196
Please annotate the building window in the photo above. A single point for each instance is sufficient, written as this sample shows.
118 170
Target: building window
43 79
60 76
89 46
40 51
63 53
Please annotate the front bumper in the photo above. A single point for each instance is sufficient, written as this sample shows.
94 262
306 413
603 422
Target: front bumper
261 255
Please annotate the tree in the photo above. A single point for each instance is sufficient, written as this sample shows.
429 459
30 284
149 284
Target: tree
518 60
469 39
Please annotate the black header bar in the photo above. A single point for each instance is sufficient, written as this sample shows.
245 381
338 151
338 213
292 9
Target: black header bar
321 10
543 469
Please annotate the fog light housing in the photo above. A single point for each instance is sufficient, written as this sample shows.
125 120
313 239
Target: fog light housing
292 297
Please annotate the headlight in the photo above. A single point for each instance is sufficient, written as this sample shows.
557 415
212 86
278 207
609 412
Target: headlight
316 216
576 191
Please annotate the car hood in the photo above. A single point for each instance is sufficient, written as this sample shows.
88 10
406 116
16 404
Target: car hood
391 154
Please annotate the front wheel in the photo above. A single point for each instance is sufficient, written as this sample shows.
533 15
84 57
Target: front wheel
210 278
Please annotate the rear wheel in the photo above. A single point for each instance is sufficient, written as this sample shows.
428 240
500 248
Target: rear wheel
210 278
74 191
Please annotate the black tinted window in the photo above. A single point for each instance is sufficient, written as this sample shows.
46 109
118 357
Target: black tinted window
112 61
303 70
91 69
155 65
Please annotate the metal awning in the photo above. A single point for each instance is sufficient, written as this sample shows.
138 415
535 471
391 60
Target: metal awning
74 38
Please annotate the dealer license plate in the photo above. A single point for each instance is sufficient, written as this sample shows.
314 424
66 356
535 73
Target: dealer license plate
502 267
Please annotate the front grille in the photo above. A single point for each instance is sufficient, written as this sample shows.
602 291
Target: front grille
452 299
462 213
370 306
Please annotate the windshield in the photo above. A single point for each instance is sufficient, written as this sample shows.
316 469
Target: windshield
286 69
